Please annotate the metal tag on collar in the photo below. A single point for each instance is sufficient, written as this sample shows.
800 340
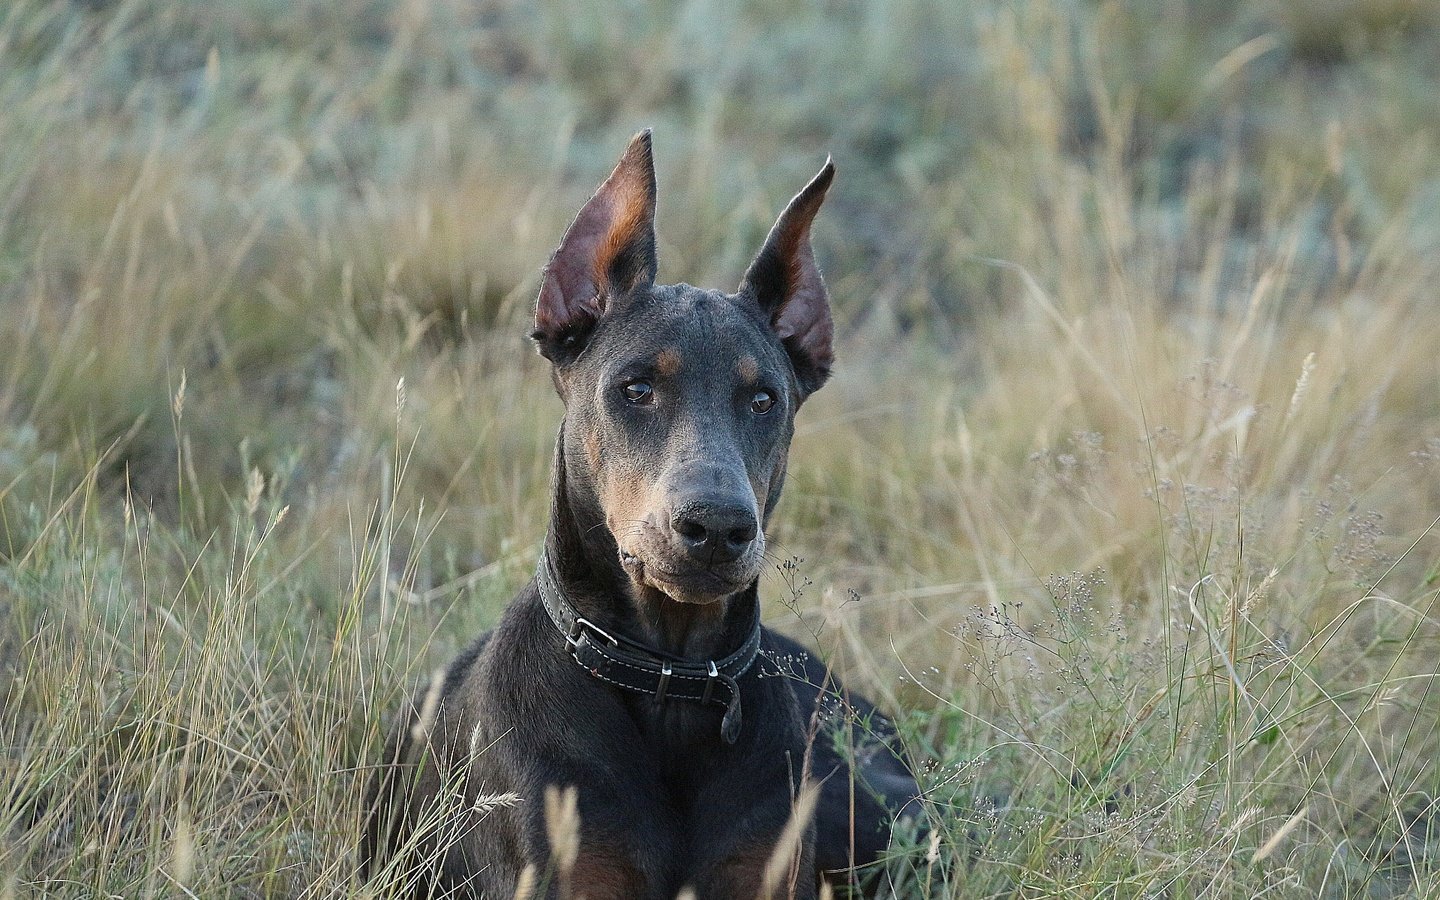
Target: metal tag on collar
710 682
664 682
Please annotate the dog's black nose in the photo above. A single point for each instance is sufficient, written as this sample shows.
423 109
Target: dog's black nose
715 532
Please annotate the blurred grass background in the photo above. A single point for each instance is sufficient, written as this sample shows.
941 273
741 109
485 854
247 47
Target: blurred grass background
1123 497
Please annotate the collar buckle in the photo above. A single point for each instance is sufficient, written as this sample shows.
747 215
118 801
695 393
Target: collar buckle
582 625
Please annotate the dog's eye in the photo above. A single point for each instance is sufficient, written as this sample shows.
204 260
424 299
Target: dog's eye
761 402
638 392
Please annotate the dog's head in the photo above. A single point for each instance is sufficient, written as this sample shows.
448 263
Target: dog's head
680 402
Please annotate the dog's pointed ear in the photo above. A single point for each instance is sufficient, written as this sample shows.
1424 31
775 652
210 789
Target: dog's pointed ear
786 283
608 251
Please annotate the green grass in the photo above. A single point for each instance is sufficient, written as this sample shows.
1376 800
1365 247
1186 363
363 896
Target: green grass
1123 498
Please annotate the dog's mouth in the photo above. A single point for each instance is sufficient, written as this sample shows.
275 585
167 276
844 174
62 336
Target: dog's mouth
691 585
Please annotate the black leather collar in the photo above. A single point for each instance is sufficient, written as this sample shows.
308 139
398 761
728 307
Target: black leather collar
631 665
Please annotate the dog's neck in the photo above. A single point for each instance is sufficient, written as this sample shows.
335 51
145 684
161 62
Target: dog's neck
587 568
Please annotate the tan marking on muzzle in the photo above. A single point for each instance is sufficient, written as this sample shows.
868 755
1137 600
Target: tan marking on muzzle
625 495
592 450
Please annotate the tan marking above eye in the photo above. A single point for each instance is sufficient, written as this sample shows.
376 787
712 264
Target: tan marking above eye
747 368
668 362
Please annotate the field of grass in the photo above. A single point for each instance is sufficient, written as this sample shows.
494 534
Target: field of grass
1123 499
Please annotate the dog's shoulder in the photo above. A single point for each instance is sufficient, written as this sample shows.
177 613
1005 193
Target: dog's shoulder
519 672
460 667
817 687
803 669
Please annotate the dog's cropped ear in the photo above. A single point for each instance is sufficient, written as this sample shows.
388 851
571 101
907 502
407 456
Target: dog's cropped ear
786 283
608 251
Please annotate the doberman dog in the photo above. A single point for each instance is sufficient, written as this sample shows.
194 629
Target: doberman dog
634 667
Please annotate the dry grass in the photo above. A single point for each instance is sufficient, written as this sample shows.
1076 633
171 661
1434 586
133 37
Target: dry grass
1125 495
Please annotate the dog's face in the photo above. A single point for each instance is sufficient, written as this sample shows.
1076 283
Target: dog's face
681 408
680 402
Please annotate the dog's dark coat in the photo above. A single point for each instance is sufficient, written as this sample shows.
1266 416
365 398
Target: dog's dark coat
679 412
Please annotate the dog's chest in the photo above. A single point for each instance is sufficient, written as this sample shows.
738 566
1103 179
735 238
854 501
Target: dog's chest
680 738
